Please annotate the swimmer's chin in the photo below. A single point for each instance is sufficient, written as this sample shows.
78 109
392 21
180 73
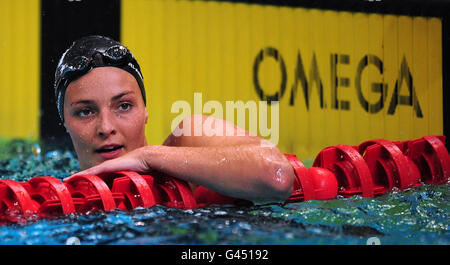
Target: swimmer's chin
96 160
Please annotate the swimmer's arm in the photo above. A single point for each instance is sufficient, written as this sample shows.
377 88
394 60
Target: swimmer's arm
246 172
239 165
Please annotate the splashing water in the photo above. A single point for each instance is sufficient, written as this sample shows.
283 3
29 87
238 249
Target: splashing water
415 216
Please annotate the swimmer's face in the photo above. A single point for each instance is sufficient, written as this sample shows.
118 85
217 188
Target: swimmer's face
105 115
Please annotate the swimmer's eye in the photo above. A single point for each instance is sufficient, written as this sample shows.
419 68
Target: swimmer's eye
83 113
124 106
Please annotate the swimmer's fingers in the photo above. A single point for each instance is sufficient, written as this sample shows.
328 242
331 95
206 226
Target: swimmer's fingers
105 167
130 162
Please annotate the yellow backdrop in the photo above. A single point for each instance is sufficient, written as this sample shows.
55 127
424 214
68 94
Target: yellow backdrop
19 68
341 77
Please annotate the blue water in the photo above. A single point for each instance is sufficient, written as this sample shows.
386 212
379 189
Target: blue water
416 216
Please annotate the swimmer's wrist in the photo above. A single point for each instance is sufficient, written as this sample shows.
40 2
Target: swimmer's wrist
152 156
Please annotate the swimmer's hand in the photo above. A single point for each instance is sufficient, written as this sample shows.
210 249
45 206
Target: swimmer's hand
132 161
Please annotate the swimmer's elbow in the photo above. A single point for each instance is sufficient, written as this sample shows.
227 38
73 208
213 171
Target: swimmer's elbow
279 182
282 188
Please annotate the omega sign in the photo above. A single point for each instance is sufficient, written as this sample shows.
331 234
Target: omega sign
306 82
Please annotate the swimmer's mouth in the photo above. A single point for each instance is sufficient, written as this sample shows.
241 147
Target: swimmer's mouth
108 148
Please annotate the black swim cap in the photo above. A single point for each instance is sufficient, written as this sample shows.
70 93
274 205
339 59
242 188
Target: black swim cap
87 53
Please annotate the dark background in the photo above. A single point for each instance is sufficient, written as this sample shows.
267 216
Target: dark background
62 22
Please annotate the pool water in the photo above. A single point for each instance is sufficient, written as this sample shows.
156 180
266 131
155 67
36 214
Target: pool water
415 216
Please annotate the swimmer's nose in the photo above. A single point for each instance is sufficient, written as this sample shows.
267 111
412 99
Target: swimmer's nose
105 126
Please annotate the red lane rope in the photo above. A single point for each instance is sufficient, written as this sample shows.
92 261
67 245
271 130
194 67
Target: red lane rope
359 170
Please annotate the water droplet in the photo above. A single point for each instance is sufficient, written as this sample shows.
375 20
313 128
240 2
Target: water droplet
245 225
36 149
139 223
289 235
220 213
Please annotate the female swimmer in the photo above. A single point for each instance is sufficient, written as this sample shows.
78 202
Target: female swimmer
101 100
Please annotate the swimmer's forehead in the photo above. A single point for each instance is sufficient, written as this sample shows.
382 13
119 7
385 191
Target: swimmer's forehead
102 83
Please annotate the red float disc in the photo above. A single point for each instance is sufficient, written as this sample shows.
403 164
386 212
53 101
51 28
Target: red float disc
142 187
302 181
432 158
349 167
61 191
405 175
75 184
15 199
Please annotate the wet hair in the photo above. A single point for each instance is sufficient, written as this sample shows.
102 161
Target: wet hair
90 52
